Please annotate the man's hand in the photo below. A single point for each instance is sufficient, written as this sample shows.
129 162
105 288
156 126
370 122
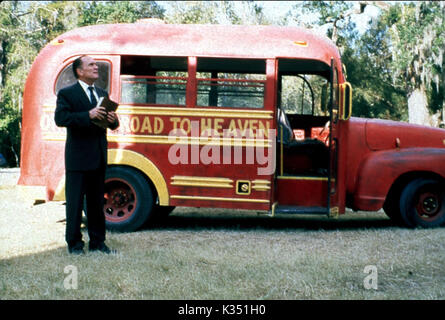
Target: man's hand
111 117
98 113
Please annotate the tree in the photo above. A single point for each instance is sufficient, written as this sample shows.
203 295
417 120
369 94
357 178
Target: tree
100 12
418 36
217 12
16 55
368 61
334 17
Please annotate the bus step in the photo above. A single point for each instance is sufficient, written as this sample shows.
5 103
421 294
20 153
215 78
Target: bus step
300 210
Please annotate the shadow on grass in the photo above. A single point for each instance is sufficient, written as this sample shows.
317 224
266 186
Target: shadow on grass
195 220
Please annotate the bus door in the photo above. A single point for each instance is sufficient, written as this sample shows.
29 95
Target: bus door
332 192
303 137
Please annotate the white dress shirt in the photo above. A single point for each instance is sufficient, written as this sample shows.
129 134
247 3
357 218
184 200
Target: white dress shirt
87 91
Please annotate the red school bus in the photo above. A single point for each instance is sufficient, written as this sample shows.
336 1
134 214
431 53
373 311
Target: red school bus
238 117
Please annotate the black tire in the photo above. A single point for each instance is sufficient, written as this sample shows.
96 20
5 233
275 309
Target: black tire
392 209
422 204
128 199
163 211
159 215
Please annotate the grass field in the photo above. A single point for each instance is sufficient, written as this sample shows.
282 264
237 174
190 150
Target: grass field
218 254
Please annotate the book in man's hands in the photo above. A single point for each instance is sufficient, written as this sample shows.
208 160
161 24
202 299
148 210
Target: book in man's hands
109 105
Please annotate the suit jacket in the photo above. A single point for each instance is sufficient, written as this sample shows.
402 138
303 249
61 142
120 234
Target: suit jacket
86 143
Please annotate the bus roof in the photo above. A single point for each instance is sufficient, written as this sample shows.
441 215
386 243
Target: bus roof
259 42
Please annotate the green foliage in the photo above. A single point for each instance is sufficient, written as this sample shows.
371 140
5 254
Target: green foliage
368 65
99 12
15 55
418 34
193 12
334 15
216 12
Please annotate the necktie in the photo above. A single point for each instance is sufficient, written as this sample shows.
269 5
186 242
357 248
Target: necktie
92 97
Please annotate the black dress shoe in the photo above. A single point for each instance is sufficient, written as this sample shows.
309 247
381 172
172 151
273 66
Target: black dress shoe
101 247
76 249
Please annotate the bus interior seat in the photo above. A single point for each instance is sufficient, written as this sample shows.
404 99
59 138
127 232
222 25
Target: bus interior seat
308 156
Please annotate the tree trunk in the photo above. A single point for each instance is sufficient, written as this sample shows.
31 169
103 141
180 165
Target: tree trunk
418 107
2 58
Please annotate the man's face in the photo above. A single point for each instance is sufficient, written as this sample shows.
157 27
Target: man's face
89 71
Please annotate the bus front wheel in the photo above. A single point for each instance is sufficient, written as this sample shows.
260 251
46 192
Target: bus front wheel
422 203
128 199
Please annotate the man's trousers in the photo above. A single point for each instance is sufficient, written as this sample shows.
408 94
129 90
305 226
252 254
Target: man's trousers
91 185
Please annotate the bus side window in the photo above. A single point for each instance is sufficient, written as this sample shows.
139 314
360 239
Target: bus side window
233 83
66 77
153 80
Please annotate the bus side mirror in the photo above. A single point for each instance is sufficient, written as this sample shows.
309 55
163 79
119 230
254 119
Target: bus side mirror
345 100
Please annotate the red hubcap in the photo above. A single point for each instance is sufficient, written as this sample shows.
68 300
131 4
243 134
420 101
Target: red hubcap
428 206
120 200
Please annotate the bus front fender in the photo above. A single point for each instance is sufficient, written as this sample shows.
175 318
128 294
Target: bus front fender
379 170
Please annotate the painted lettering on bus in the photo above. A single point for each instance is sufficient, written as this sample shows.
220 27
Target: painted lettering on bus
47 123
142 125
238 128
156 125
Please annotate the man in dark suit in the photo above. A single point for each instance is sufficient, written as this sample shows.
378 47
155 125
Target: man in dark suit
85 155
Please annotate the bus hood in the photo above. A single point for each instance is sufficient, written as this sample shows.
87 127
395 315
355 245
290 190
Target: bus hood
386 134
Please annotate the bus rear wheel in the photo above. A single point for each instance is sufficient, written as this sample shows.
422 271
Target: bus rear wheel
128 199
422 203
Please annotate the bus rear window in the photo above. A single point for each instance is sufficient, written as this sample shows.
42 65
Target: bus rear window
66 77
153 80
